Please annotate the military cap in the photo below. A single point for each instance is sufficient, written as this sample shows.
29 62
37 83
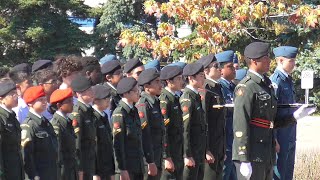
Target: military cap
60 95
207 60
225 56
41 64
169 72
240 74
131 64
285 51
192 69
33 93
147 76
6 87
179 63
21 67
110 66
235 58
106 58
80 84
256 50
153 64
126 84
101 91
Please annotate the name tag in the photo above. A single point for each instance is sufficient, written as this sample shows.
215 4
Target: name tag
154 112
87 121
176 107
10 125
102 126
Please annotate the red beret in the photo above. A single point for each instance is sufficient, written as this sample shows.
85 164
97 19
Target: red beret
60 95
33 93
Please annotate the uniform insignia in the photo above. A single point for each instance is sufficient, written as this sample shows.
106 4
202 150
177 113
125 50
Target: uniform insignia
185 100
141 114
102 126
76 130
10 125
164 102
144 124
166 121
117 115
23 134
24 142
116 131
185 117
239 134
141 105
87 121
176 107
116 125
185 108
240 92
74 123
163 111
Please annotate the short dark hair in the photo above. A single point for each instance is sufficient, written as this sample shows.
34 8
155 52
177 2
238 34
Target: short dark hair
4 72
19 76
89 63
44 75
66 65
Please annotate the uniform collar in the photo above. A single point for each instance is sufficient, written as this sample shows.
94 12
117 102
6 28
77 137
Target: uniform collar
35 113
5 108
87 105
193 89
98 111
62 115
125 101
111 86
210 79
282 71
169 90
150 98
257 74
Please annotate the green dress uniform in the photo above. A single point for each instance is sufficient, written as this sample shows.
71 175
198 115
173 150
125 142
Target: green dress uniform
85 130
195 129
115 97
128 140
216 120
173 140
105 157
40 148
255 119
11 164
67 157
152 125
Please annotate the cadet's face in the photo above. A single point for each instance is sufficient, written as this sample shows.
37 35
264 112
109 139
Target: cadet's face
236 66
50 86
11 99
177 83
155 87
288 64
133 95
117 76
214 71
67 105
263 65
96 76
136 72
40 105
199 80
23 86
102 103
87 96
228 72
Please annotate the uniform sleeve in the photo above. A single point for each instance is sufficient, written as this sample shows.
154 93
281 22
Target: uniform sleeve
205 100
164 105
58 134
77 124
146 134
242 116
27 145
186 106
119 136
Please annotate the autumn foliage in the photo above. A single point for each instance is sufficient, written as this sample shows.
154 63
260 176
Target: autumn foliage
215 21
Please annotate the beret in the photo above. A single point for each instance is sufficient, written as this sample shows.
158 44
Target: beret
33 93
106 58
207 60
41 64
21 67
240 74
6 87
60 95
147 76
285 51
126 84
153 64
235 58
101 91
192 69
80 83
256 50
169 72
110 66
179 63
225 56
131 64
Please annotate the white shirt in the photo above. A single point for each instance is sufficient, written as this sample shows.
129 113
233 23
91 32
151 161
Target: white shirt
111 86
125 101
5 108
61 114
259 75
35 113
210 79
21 110
193 89
170 91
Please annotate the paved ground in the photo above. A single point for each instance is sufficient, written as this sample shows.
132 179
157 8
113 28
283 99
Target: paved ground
308 133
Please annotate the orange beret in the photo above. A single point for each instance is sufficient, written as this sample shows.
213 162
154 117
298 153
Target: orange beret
60 95
33 93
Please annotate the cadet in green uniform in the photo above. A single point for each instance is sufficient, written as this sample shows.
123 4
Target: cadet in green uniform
215 117
39 141
133 68
151 121
255 117
105 158
84 127
127 132
112 72
195 127
11 164
172 114
61 101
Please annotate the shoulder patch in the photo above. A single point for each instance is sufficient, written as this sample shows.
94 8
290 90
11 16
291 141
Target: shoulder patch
240 92
163 111
141 114
117 115
116 125
144 124
185 100
74 123
163 102
185 108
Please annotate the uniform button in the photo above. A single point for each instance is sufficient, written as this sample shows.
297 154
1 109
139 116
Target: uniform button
261 140
265 104
272 107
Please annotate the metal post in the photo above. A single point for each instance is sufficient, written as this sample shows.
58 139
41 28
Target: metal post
307 97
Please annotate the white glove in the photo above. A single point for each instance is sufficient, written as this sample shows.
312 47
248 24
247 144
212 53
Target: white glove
303 111
246 169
